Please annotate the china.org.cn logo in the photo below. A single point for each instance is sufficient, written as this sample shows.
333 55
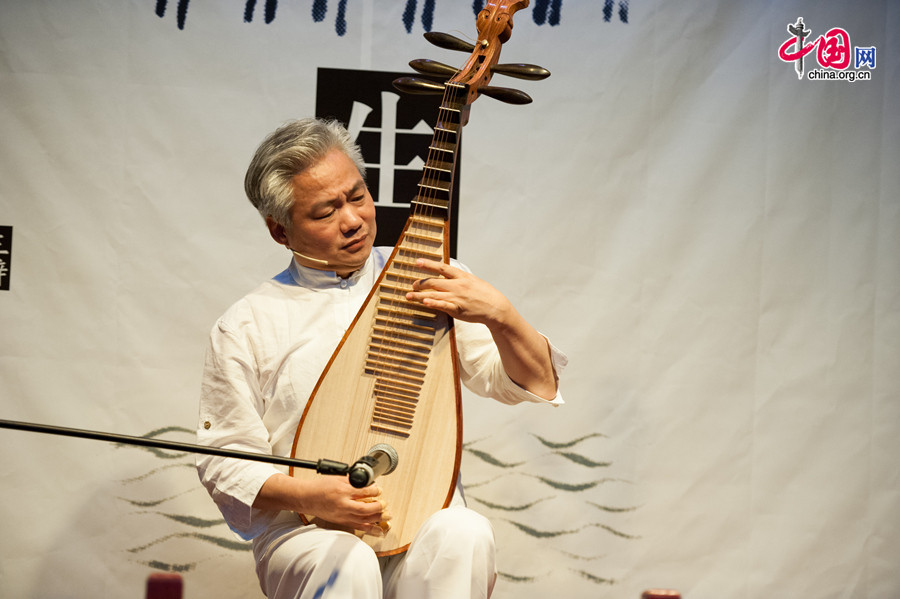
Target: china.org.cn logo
833 53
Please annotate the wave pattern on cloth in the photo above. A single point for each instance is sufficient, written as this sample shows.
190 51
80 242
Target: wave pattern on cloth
161 495
577 500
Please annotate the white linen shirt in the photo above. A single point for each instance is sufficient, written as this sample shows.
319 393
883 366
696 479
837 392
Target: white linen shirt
264 357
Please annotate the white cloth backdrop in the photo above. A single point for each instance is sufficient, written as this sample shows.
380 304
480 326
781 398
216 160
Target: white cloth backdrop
715 244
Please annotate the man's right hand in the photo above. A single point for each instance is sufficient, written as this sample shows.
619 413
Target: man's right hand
334 499
330 498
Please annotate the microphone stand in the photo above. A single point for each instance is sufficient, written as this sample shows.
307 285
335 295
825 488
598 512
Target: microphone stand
321 466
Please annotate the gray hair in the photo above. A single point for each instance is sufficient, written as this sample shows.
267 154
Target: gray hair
287 152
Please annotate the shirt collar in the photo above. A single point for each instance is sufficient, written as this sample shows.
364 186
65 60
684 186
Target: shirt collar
314 278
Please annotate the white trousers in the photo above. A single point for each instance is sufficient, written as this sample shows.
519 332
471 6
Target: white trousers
451 557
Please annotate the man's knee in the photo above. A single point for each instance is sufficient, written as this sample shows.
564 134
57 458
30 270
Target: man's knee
451 557
307 564
461 526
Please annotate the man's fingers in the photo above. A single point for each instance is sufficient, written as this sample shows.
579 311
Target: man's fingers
380 502
430 265
439 268
378 510
366 493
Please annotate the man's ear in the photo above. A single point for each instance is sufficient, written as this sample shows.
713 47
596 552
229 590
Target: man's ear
277 232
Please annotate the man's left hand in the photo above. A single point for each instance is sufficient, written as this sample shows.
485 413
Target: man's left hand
460 294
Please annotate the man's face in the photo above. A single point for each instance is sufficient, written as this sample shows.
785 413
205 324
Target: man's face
333 216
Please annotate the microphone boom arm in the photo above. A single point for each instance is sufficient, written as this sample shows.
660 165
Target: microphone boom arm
321 466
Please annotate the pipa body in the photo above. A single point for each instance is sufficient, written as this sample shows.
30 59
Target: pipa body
394 379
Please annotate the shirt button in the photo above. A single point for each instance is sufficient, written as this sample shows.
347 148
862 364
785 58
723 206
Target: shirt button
344 283
206 425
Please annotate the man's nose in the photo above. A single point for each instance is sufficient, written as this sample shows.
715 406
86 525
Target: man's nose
350 219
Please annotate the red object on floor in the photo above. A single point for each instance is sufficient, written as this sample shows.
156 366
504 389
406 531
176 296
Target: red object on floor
660 594
164 586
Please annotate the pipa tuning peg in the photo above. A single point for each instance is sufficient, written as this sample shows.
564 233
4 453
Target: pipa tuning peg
449 42
506 94
432 67
531 72
414 85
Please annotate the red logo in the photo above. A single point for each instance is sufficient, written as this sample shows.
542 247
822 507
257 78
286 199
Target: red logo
833 51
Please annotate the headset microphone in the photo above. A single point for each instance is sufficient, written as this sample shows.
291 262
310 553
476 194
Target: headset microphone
311 259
